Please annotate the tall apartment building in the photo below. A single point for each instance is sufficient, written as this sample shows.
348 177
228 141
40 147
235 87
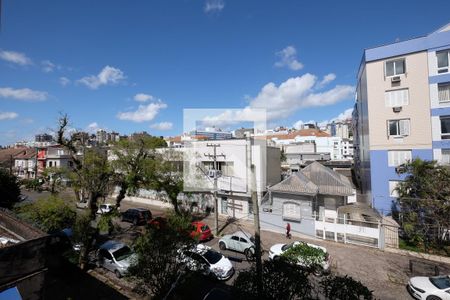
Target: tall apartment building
402 111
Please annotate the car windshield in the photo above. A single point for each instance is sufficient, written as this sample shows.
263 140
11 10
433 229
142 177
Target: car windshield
122 253
205 227
212 256
145 214
252 239
287 246
441 282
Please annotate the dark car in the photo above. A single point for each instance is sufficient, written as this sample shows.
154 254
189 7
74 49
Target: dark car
137 216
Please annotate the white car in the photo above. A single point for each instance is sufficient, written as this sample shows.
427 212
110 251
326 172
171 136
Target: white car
105 208
278 249
239 241
116 257
430 288
207 261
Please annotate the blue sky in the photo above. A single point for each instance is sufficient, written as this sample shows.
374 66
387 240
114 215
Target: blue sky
94 59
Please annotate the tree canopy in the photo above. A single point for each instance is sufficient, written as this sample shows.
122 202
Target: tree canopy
9 189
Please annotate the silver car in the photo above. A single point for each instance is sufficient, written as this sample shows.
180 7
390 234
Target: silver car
116 257
240 241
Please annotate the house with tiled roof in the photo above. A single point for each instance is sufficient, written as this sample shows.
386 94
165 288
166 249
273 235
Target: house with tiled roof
309 200
25 163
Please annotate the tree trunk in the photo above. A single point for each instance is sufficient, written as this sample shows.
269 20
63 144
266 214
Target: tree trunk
121 195
84 253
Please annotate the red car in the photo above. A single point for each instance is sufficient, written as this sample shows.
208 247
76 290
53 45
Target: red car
158 222
201 231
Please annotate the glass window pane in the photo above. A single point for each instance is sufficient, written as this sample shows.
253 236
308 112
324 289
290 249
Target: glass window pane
442 58
399 67
445 125
444 92
393 128
390 68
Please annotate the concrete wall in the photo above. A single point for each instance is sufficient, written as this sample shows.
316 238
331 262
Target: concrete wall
274 220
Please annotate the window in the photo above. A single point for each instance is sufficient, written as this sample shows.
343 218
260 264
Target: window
445 127
396 98
395 67
291 211
50 164
445 156
398 157
398 127
442 61
444 92
392 188
242 240
235 238
224 206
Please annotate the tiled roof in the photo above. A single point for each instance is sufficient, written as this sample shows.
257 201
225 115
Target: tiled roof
297 183
26 154
301 132
7 154
328 181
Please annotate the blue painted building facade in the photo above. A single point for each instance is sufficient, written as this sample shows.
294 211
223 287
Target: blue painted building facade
401 112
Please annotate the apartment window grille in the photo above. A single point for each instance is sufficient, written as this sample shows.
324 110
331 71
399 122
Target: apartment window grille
445 156
395 67
444 92
398 128
442 61
396 98
393 184
445 127
398 157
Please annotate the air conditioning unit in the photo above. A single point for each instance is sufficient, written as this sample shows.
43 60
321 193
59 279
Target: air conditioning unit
395 79
214 173
397 109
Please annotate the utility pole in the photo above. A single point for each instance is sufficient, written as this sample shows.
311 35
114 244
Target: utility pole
259 277
214 157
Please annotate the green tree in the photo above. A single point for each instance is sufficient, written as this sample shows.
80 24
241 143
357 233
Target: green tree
424 201
9 189
281 280
310 257
54 177
92 176
134 164
51 214
157 267
344 288
167 176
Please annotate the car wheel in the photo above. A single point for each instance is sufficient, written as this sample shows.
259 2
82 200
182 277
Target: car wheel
249 253
222 246
433 298
118 275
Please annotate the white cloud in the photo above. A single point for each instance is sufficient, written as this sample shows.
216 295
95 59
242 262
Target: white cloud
297 93
141 97
7 115
93 127
23 94
288 58
162 126
15 57
327 79
347 114
143 113
108 76
64 81
213 6
48 66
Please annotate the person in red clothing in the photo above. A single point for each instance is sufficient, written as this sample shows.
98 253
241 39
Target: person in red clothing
288 230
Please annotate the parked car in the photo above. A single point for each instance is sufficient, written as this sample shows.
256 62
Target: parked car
430 288
201 231
115 257
137 216
105 208
68 234
158 222
82 204
239 241
277 250
204 259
